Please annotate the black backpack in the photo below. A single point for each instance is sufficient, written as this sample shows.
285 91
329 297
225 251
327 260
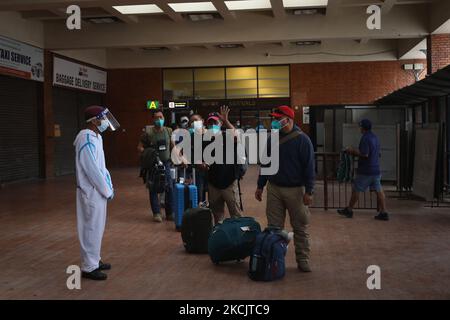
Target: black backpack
156 177
148 158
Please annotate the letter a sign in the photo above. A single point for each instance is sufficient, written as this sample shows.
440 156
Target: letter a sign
153 105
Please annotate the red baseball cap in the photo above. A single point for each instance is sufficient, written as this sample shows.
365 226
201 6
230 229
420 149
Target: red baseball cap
283 111
213 116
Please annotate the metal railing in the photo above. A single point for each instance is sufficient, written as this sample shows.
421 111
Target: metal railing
330 193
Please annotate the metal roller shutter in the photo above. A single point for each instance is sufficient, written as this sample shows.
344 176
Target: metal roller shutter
68 111
19 133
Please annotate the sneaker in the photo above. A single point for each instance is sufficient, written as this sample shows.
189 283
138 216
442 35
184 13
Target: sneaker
157 218
94 275
104 266
346 212
303 266
384 216
169 217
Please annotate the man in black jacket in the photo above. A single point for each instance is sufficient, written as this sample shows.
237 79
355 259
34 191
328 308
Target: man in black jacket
222 177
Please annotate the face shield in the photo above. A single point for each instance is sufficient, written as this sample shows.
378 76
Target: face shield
106 115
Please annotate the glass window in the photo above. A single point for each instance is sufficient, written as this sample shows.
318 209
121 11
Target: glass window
209 83
178 84
273 81
241 83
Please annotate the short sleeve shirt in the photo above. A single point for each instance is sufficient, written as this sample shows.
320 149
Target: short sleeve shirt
369 146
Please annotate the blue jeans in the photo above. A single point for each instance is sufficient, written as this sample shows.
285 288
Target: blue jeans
201 182
154 200
362 182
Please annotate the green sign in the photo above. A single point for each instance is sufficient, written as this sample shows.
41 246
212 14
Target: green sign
153 105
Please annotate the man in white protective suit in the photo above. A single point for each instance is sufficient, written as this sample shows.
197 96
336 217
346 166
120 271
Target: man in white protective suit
94 189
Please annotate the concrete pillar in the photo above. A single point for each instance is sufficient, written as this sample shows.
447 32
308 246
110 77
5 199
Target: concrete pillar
48 120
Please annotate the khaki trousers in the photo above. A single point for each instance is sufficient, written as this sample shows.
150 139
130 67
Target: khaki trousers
218 198
280 199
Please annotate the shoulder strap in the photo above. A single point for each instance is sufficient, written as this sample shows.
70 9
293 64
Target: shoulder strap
168 135
290 136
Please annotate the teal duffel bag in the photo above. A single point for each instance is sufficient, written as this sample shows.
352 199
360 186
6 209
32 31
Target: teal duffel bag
233 239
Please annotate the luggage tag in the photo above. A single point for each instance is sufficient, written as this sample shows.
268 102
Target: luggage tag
246 228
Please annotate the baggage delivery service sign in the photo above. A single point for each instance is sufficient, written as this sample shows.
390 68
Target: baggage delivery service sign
78 76
21 60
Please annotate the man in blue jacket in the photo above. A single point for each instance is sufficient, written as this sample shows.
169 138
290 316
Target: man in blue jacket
368 173
291 188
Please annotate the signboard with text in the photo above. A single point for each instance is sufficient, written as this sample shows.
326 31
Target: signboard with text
78 76
21 60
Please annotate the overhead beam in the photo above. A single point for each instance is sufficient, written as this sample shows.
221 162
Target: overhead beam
223 10
175 16
401 23
278 9
387 6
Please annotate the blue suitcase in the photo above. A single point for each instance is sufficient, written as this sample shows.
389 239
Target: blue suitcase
185 196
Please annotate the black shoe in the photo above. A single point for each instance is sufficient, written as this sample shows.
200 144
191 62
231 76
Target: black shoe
384 216
346 212
94 275
104 266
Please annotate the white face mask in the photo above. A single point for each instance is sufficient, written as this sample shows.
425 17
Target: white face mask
197 125
103 125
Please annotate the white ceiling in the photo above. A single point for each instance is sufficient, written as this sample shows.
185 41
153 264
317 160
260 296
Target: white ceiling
261 31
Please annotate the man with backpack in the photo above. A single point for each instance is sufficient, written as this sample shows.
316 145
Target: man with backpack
292 187
157 141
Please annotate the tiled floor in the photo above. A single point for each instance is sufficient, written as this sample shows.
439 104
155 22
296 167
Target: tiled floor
38 240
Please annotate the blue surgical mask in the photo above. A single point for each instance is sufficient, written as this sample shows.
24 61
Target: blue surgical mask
103 125
280 124
215 129
276 125
159 122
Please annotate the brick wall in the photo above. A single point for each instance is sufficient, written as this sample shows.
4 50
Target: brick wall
346 83
128 92
439 51
311 84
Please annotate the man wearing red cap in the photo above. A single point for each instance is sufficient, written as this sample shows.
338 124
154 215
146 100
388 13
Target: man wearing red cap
291 188
94 189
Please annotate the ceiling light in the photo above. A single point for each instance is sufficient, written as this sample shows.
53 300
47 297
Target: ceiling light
102 20
193 7
201 17
248 4
154 48
230 45
307 43
306 11
304 3
138 9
